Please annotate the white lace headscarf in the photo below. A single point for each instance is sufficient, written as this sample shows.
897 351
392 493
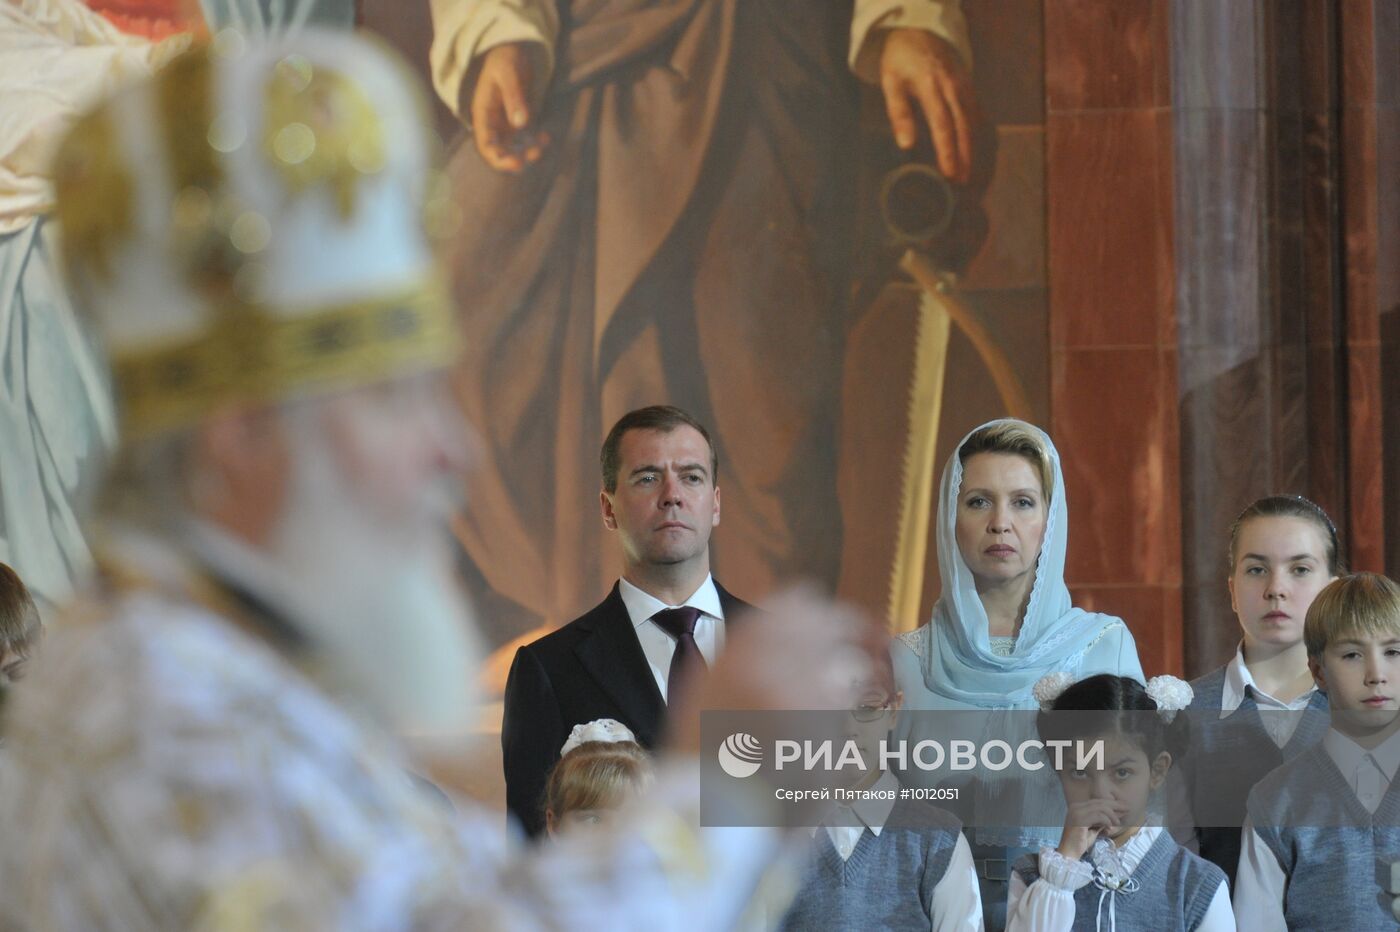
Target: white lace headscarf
1009 807
1054 634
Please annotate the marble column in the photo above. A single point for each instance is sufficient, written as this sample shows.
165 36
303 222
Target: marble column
1286 254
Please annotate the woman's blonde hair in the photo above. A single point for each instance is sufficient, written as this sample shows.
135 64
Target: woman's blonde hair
1362 603
596 775
1016 438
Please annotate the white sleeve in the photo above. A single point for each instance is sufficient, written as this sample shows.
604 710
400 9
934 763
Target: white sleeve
463 29
1048 904
1259 886
957 899
1041 907
1219 917
943 18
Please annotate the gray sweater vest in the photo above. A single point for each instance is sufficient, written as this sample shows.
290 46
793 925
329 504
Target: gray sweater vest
1332 850
1228 756
887 883
1174 890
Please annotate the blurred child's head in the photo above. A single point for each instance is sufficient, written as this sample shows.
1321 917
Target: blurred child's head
874 713
1139 740
19 626
1353 639
594 778
1283 551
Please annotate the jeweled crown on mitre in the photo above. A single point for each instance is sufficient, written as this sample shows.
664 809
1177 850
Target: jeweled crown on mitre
248 225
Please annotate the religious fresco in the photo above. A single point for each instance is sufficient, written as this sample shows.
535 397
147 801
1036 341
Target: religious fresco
838 312
151 19
57 423
827 470
838 339
919 373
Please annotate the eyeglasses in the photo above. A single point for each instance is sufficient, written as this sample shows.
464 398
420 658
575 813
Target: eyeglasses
869 713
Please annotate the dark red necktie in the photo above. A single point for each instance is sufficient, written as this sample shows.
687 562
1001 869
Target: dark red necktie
687 660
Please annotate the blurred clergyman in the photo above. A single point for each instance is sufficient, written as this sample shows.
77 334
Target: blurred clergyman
203 742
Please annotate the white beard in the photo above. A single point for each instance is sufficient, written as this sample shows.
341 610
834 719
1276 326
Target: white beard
376 595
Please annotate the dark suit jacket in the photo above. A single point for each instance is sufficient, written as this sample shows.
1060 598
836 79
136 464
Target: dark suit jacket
591 668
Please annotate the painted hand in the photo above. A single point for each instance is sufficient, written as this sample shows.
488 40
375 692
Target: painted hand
920 72
500 107
1086 821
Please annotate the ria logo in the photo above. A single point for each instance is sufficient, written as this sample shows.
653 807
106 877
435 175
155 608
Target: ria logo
740 755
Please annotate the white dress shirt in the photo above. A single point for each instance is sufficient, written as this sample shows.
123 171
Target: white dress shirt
1048 904
957 901
660 646
1260 881
1279 727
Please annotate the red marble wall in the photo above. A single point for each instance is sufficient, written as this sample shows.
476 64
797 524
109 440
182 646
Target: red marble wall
1224 266
1386 114
1109 176
1369 32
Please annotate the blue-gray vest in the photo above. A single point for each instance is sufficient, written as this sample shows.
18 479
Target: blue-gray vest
1171 888
1228 756
1332 850
886 883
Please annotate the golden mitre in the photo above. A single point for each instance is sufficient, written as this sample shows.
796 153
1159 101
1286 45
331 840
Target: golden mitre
249 225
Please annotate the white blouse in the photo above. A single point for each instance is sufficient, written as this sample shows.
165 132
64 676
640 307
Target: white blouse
1048 904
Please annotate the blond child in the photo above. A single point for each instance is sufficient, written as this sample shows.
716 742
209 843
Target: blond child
600 768
1321 826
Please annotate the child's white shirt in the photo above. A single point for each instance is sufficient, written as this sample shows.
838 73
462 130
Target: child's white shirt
1260 881
1048 904
1279 725
957 900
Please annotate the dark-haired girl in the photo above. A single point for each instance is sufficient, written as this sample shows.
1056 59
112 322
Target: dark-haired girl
1111 870
1252 714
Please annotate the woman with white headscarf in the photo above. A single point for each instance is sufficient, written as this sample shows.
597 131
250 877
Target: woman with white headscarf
1004 620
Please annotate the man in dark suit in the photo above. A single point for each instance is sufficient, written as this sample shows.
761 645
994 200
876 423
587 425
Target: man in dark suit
664 619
